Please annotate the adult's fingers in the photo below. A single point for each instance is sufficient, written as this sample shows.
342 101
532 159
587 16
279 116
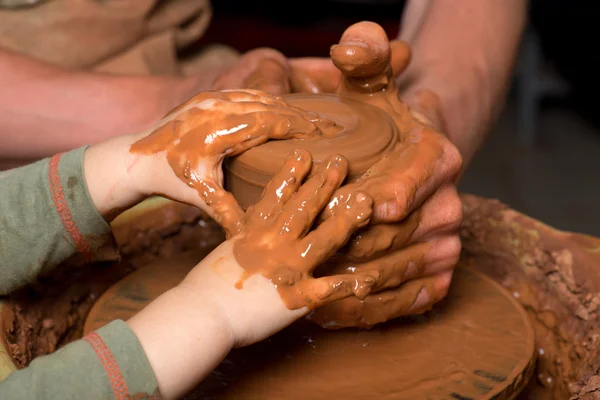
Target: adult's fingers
414 297
320 75
282 186
299 213
265 69
401 181
363 50
413 262
238 133
313 75
316 292
327 238
401 55
440 214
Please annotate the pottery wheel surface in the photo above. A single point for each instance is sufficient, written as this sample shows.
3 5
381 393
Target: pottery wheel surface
476 344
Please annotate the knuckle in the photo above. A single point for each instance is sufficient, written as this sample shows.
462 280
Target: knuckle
454 159
443 286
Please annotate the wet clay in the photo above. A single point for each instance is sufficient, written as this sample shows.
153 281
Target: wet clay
380 138
364 134
479 345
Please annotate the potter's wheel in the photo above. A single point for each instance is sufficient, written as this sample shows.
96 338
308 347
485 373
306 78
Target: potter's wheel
476 344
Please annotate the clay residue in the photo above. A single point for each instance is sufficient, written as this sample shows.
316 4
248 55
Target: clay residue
555 277
277 240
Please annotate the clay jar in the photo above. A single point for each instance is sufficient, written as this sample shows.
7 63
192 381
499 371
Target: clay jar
363 133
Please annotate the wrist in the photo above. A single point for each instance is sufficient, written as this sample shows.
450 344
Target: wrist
184 336
106 167
461 110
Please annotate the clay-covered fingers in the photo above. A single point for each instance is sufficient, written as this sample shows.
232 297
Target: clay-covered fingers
401 181
441 214
320 244
320 75
244 131
300 211
282 186
313 75
401 56
413 262
363 50
415 297
222 207
316 292
263 69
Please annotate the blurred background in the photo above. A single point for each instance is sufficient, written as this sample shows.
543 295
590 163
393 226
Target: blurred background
543 156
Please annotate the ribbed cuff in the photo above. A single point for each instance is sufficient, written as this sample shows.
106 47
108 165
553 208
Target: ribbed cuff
88 232
124 361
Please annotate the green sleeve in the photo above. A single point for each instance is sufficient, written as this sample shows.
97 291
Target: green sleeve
47 216
107 364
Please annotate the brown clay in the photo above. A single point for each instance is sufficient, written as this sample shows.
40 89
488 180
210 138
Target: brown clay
362 134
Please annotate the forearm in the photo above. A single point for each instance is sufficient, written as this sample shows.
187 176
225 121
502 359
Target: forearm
192 350
464 51
45 110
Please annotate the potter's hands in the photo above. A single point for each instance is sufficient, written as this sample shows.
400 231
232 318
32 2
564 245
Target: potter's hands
361 59
272 259
260 69
413 240
181 157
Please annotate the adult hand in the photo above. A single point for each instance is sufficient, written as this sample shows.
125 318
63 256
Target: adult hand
323 75
259 69
414 243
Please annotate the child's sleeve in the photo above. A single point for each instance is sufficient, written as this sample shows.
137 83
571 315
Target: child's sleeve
47 216
109 363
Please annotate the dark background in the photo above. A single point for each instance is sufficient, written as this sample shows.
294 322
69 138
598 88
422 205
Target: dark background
543 156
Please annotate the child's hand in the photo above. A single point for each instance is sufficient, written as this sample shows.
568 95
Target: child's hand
181 156
193 140
258 282
262 278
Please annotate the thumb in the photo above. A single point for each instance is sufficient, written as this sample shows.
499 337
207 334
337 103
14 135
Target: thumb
313 75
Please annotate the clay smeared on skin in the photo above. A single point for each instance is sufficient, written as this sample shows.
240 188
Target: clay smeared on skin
280 225
196 135
381 138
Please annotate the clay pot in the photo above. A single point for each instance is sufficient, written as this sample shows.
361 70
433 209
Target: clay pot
363 134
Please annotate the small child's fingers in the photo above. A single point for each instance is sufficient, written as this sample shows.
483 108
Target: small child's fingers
327 238
283 185
316 292
298 215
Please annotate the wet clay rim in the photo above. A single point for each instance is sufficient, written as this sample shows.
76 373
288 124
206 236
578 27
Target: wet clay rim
7 365
523 371
357 120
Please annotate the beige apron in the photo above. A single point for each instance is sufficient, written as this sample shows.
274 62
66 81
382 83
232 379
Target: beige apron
138 37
